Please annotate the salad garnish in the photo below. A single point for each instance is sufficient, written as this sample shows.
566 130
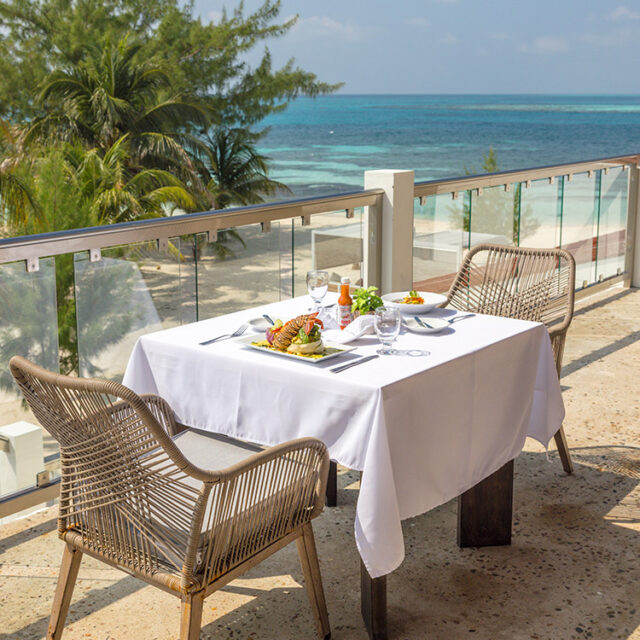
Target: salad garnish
412 298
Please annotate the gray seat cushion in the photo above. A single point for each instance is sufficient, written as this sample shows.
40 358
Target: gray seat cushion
212 451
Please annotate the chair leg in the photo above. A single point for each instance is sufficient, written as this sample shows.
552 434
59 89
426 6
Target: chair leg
64 590
191 616
313 580
332 485
563 450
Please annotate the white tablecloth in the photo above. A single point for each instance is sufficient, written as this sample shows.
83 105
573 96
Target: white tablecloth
422 429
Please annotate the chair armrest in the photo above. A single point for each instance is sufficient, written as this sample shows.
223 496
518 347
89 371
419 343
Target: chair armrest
162 412
254 503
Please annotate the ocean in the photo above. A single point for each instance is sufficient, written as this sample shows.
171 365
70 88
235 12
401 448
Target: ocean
323 145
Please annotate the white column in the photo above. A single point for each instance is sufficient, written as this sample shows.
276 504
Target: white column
632 260
395 234
633 225
21 456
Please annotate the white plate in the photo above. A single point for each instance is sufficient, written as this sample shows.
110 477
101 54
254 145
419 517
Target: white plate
431 300
437 325
337 350
259 324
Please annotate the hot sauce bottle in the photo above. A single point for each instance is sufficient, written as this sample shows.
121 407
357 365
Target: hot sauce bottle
344 303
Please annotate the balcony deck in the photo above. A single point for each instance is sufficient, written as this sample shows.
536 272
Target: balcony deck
572 571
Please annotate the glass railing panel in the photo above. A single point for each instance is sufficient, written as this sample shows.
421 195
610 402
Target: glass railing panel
540 213
28 327
494 216
132 290
613 222
579 220
331 242
242 268
440 240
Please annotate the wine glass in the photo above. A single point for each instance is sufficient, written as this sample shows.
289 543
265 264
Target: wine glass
387 322
317 285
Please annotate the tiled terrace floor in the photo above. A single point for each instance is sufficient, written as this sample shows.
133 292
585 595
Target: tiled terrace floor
573 570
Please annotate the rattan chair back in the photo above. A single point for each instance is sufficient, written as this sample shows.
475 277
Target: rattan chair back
123 487
518 282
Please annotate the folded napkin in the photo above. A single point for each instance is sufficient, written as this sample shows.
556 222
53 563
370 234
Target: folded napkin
353 331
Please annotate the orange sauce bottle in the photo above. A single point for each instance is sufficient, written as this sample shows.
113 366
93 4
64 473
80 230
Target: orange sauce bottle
344 304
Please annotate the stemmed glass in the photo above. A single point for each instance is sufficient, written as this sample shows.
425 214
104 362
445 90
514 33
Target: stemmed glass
387 325
317 285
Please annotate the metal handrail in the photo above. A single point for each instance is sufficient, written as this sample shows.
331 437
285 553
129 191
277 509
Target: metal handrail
500 178
60 242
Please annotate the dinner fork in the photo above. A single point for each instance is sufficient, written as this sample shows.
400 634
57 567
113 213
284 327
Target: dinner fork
238 332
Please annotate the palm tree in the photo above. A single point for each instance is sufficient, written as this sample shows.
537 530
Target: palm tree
17 203
233 171
118 193
110 94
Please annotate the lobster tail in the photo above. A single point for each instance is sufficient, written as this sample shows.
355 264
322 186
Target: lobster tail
283 338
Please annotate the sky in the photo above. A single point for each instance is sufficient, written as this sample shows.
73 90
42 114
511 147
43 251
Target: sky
460 46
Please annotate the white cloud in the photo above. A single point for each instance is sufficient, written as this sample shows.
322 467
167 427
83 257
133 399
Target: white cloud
215 16
545 45
623 13
422 23
450 39
324 26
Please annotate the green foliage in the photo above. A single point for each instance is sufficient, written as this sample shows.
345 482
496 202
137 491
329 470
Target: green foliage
207 60
40 36
232 170
116 193
366 300
16 200
115 110
109 94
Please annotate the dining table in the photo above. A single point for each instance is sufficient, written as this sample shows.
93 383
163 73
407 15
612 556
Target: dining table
443 417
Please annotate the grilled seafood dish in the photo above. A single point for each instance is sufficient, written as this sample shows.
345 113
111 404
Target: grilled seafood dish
300 335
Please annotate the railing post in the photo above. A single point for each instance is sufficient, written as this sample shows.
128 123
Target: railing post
371 245
632 252
394 234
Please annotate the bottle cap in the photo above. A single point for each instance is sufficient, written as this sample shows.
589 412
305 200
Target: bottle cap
345 280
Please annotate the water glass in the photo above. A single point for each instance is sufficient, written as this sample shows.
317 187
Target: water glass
387 325
317 286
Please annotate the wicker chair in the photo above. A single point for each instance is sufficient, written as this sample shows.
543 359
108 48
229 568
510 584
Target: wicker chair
529 284
137 493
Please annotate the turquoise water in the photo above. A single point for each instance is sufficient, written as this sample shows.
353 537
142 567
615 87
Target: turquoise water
324 145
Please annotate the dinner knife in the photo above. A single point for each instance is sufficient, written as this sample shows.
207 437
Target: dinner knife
343 367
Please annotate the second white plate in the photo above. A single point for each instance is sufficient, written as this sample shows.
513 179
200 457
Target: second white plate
437 324
431 300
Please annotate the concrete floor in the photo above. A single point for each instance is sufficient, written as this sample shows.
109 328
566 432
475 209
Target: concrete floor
573 570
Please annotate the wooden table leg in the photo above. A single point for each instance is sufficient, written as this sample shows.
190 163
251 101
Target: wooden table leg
484 511
332 485
374 604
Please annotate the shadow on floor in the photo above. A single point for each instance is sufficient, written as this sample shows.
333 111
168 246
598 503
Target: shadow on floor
603 302
598 354
24 536
571 572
